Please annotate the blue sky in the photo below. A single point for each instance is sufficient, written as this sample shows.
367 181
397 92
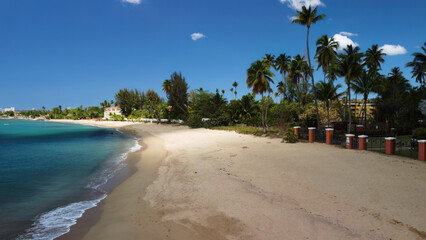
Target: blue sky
81 52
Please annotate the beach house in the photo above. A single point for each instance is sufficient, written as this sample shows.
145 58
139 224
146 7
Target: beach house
110 111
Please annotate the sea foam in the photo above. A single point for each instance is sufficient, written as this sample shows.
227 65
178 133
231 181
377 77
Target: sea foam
58 222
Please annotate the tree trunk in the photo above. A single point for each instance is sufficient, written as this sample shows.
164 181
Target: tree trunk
350 107
365 110
313 81
285 86
266 110
327 104
263 119
345 107
300 95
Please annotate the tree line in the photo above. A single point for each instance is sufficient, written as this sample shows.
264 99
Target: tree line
302 101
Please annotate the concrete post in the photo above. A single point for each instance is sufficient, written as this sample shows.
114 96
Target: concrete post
390 145
296 131
360 128
362 142
422 150
350 141
329 136
311 134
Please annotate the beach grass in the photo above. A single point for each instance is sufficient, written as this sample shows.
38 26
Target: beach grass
257 131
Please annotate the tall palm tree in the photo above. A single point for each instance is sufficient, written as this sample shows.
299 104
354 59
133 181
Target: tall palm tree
235 85
419 66
282 64
327 93
326 54
259 78
366 83
308 17
295 73
270 60
350 67
374 57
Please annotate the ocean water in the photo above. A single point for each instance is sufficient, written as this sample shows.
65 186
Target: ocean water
51 173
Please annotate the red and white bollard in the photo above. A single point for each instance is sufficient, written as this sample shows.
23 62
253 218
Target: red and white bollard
329 136
296 131
362 142
422 150
311 134
360 128
390 145
350 141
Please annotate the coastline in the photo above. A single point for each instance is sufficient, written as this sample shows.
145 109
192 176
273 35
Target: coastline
92 215
207 184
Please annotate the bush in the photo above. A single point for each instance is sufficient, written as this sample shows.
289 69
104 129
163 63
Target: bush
420 135
290 137
194 121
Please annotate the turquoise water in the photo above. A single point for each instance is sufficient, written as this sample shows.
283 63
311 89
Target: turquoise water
50 173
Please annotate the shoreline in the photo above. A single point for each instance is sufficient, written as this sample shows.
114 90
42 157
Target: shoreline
209 184
92 215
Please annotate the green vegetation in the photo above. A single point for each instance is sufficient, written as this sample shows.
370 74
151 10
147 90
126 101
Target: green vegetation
128 100
290 137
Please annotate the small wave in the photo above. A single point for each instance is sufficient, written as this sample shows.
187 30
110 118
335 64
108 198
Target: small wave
137 146
116 165
57 222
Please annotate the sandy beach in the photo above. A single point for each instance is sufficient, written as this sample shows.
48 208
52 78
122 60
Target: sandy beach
207 184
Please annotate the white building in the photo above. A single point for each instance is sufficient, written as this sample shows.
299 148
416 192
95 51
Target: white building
108 112
12 109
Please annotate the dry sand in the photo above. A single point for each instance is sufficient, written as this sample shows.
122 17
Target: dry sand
205 184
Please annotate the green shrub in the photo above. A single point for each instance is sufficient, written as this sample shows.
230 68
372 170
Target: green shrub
194 121
290 137
420 135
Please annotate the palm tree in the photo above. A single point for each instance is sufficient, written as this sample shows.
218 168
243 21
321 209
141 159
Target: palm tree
366 83
295 73
235 85
419 66
374 57
350 67
393 94
259 78
326 53
327 93
282 64
269 59
281 89
167 86
308 17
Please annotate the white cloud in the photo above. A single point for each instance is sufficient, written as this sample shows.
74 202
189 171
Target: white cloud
393 49
291 18
297 4
349 34
344 41
196 36
135 2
